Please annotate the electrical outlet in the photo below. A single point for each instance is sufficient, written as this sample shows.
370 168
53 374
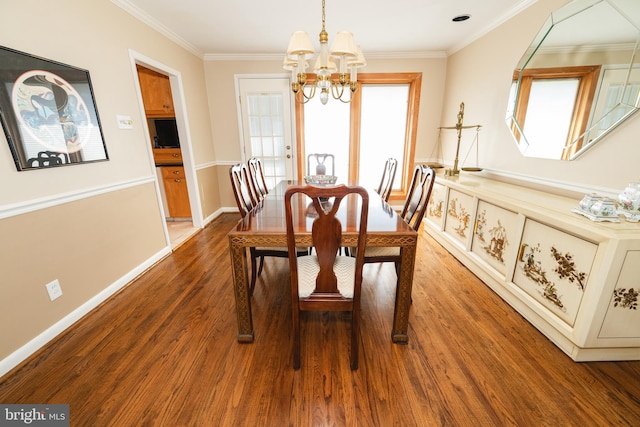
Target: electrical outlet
54 289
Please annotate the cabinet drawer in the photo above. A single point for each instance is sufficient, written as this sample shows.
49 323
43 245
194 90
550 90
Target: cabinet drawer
176 172
553 267
167 156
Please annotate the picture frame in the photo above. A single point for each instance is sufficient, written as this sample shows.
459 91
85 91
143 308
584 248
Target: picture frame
48 112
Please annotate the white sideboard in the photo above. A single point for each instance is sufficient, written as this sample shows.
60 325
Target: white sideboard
575 280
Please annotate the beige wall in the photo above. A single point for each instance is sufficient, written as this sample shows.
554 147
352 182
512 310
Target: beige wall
89 225
87 245
480 76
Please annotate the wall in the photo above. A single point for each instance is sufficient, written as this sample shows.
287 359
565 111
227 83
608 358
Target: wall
480 75
220 83
93 226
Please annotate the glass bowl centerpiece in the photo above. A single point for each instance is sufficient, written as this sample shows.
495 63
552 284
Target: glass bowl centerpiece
320 179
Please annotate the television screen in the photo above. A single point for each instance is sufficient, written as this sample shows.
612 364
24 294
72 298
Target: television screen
166 133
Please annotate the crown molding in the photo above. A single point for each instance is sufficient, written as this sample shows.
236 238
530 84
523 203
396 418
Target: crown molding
279 56
139 14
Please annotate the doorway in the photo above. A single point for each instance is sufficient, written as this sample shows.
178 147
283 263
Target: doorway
169 146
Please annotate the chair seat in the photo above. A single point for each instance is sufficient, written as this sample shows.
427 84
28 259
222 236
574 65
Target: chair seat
308 269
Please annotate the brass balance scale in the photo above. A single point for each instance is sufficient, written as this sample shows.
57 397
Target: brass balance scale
458 127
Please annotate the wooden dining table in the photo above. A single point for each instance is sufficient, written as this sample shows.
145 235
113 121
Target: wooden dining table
265 226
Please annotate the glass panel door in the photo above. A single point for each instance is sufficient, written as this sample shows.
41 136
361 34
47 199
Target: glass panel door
266 126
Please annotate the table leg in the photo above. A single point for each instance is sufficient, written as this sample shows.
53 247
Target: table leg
399 333
241 288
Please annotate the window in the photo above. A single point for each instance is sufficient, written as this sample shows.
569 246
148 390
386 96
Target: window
380 122
562 125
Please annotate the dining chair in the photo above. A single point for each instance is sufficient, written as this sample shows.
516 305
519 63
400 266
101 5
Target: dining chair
413 212
325 281
246 200
321 167
256 173
388 176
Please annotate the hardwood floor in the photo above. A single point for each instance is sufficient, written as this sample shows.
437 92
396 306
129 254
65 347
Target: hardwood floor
163 351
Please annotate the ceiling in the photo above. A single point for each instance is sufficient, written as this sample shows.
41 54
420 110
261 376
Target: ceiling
217 28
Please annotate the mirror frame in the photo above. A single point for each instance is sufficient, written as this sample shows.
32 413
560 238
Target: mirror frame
574 147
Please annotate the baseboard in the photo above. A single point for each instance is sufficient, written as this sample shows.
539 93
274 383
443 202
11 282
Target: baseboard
24 352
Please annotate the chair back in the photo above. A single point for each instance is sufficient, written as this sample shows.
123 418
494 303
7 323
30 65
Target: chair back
388 176
256 173
319 160
325 281
417 200
242 191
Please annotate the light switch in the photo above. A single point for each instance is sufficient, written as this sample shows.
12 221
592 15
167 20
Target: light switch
124 122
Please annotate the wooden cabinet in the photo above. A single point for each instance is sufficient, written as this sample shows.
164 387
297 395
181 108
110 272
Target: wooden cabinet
156 93
175 188
575 280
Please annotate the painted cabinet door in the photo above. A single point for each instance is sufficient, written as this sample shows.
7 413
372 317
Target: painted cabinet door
495 236
553 267
437 202
459 219
623 314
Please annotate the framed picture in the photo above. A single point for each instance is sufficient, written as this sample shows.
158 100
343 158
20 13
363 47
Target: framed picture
48 112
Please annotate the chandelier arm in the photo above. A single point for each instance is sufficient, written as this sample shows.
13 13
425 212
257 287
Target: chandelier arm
335 92
312 93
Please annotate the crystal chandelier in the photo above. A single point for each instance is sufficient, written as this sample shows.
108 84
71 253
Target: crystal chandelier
344 48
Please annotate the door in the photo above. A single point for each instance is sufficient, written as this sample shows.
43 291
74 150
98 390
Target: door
266 128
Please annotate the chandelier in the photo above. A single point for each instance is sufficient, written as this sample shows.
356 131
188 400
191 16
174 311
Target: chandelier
344 49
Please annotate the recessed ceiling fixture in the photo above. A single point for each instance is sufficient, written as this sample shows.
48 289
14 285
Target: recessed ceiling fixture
344 48
461 18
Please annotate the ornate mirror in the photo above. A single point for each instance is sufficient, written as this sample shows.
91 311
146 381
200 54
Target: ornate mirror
578 80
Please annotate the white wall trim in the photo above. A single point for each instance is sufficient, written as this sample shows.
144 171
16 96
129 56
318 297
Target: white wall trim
7 211
551 184
571 189
20 355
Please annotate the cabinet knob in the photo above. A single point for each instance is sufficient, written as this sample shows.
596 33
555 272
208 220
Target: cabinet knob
177 180
176 155
176 172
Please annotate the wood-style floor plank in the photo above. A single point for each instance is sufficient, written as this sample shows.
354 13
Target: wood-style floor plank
163 352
